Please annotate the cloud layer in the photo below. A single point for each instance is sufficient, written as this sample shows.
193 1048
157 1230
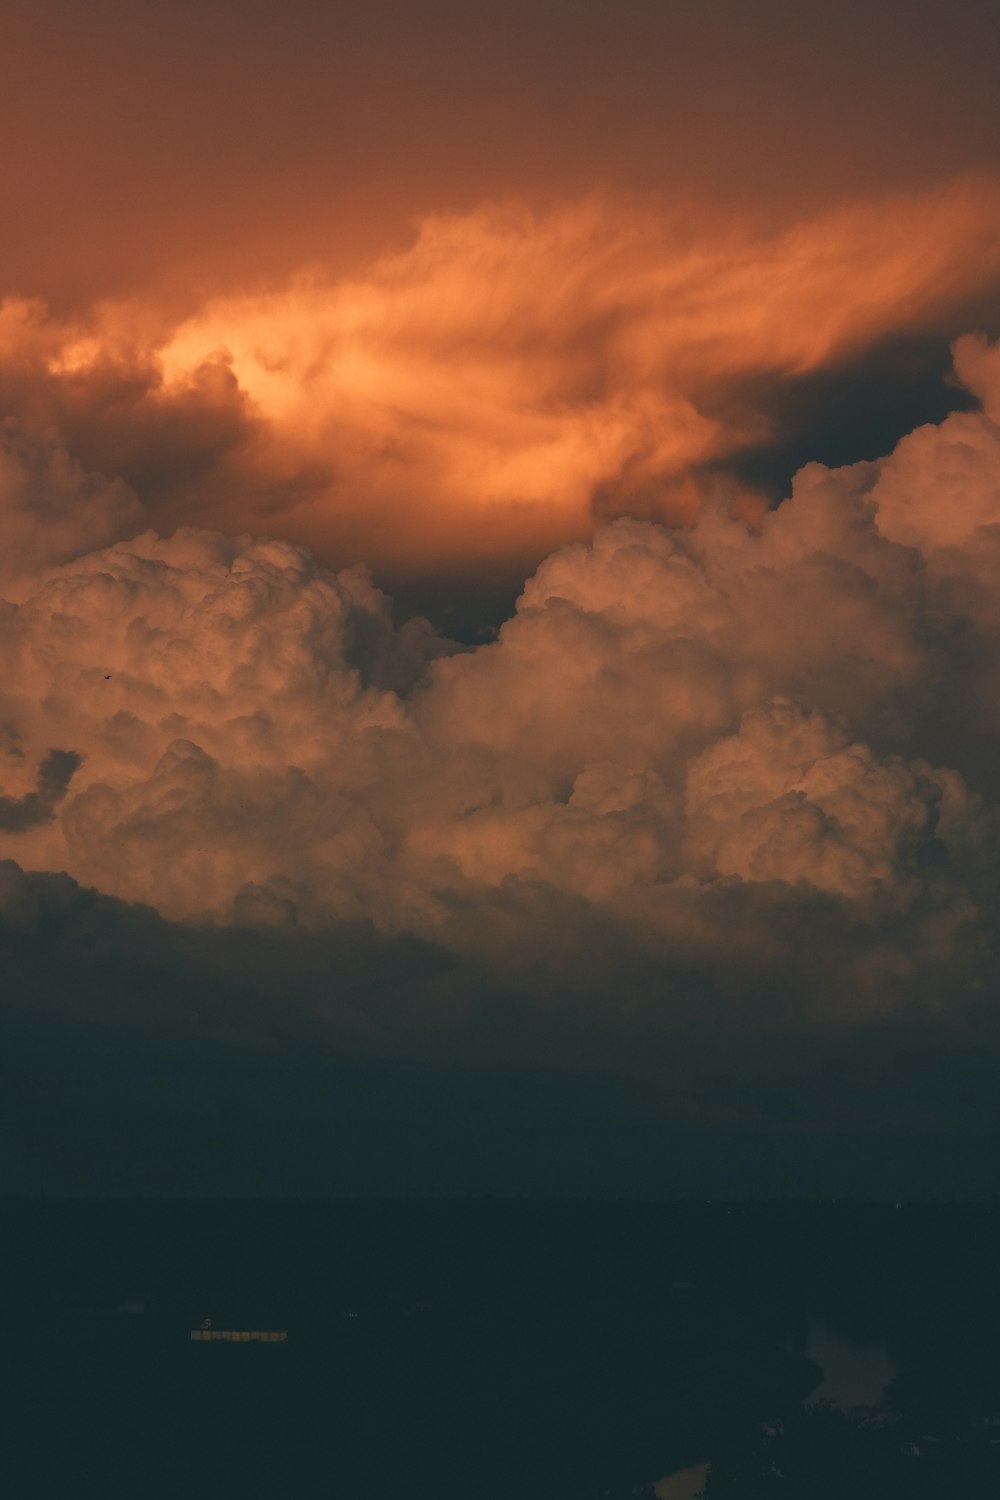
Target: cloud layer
373 311
721 770
715 811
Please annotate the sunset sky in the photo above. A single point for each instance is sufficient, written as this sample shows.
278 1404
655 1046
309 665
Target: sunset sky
500 597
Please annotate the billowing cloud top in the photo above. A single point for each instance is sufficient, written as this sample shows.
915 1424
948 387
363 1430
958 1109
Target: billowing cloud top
734 757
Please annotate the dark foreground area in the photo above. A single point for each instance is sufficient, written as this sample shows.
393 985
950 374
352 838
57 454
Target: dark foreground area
493 1350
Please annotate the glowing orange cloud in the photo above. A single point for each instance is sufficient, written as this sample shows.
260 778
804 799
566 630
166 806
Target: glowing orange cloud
502 384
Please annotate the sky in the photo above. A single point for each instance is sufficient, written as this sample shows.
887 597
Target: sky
499 560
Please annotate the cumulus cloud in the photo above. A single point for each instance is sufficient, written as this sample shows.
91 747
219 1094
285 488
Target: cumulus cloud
788 799
670 720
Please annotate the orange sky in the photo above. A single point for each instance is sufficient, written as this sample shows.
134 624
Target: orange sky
180 145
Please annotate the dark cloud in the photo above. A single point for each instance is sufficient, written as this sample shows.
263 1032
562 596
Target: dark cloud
141 1056
855 409
18 814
